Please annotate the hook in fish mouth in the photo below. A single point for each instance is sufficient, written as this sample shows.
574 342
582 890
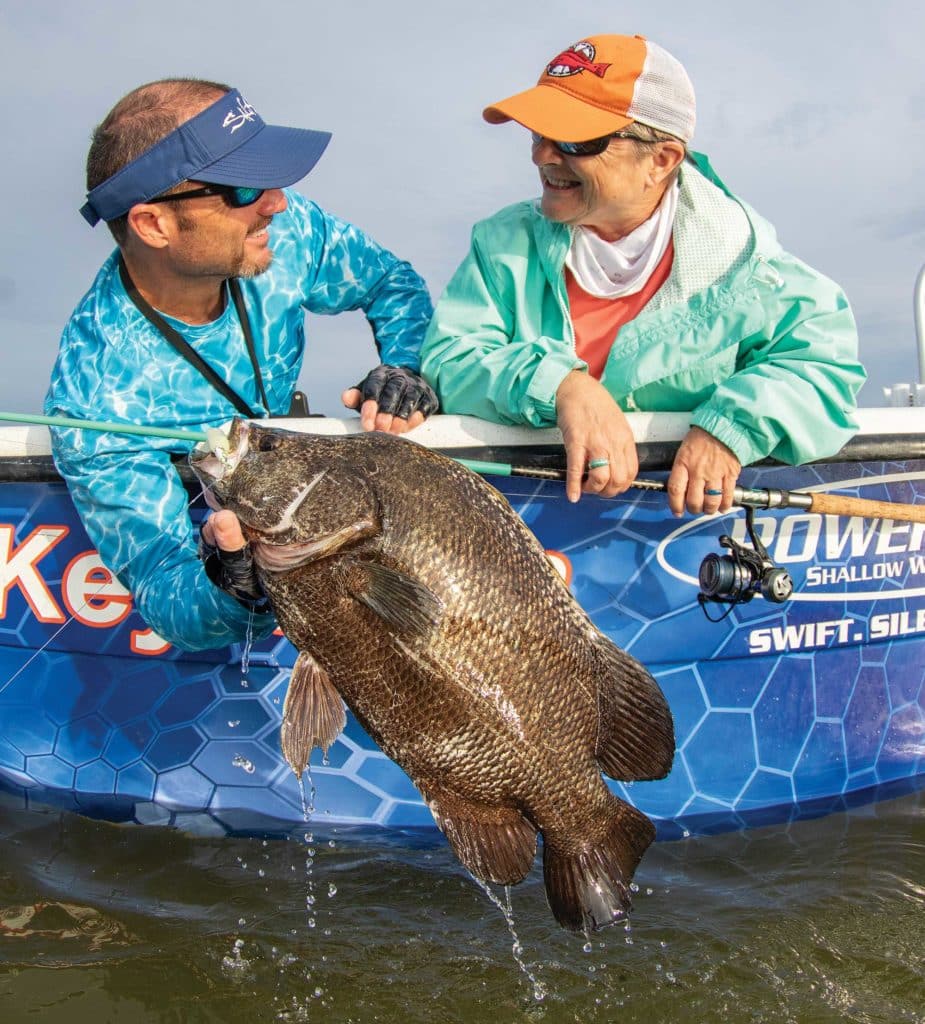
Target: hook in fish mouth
217 458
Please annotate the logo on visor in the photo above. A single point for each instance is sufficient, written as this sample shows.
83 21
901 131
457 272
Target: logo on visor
237 117
574 60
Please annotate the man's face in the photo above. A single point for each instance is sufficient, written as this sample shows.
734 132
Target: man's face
601 192
213 239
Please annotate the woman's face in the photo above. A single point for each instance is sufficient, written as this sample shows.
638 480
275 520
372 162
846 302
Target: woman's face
613 193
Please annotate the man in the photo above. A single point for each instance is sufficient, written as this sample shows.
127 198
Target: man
640 282
199 316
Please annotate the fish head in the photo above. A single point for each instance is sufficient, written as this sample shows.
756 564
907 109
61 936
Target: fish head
288 489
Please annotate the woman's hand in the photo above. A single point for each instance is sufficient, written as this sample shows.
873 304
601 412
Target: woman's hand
704 475
597 436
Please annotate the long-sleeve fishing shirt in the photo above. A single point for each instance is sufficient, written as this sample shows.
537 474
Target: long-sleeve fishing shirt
113 365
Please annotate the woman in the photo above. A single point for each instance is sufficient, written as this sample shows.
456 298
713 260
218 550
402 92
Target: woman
639 282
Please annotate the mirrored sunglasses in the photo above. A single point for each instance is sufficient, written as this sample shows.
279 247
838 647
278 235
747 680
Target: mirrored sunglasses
234 195
592 147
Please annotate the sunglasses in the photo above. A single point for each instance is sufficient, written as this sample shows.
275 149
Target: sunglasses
593 147
234 195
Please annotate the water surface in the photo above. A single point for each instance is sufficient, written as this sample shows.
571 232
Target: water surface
820 921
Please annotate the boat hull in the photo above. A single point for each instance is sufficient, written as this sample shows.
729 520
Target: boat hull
780 710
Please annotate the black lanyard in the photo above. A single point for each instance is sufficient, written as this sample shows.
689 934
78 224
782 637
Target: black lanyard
183 347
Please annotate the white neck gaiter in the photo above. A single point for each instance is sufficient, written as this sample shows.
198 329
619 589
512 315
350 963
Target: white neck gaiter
610 270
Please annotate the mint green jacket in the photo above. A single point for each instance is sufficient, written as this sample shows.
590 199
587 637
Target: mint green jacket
760 348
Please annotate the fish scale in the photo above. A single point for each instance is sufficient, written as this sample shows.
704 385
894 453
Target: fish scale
443 626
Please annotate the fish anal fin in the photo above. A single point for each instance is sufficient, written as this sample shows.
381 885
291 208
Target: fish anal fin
313 714
589 888
406 605
636 730
496 844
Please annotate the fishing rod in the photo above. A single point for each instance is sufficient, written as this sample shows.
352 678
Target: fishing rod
820 502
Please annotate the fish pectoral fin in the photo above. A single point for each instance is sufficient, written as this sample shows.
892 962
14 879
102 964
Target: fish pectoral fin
635 730
313 714
589 888
404 603
496 844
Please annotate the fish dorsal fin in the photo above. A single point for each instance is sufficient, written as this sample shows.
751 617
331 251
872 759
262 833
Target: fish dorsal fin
313 714
635 731
402 602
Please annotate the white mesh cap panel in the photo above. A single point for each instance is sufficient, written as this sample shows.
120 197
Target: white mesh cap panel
664 97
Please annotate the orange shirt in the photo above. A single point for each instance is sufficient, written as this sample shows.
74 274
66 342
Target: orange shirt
597 322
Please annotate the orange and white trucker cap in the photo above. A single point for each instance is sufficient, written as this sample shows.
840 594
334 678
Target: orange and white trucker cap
600 85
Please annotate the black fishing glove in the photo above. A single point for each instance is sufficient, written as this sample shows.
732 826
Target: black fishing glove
234 572
399 391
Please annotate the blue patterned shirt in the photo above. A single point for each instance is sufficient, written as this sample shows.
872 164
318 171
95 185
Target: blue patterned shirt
113 365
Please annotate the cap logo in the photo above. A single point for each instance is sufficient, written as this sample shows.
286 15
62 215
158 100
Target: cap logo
574 60
242 113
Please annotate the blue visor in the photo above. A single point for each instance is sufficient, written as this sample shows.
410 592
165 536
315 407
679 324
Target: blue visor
228 143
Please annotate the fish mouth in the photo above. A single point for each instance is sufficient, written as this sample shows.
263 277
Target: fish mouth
214 461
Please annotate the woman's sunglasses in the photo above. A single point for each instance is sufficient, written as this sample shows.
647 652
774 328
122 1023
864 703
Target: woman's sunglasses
234 195
593 147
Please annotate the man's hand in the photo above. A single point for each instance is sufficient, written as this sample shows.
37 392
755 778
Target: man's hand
222 530
391 398
704 475
226 556
597 438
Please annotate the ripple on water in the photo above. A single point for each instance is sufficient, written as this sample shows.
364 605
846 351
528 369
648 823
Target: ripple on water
820 922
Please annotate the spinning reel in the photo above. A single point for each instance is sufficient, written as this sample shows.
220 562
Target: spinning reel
737 577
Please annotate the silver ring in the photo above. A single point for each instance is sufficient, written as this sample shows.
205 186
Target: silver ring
713 492
598 463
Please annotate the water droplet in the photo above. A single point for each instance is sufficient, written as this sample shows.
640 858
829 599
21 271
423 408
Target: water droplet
332 889
587 947
242 921
240 761
261 873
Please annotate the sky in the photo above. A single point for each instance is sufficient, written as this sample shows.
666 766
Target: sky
812 111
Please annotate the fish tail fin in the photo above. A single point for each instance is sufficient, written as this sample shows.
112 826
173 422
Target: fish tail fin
636 730
589 888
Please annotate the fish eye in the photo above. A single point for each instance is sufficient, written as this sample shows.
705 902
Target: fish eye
268 442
